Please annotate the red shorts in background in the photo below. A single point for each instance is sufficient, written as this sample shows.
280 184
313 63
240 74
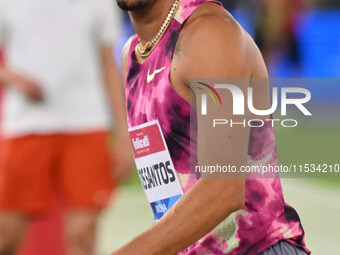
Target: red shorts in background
78 166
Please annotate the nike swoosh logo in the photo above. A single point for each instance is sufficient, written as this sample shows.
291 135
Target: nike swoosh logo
152 76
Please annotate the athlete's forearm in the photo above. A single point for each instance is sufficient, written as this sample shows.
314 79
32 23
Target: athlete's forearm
201 209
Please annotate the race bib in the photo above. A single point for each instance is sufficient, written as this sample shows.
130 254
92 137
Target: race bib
155 168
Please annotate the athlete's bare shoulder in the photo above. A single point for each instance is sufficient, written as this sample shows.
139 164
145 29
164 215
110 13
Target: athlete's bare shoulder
213 44
125 56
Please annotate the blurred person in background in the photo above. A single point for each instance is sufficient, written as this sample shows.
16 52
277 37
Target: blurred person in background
274 23
275 29
61 84
230 4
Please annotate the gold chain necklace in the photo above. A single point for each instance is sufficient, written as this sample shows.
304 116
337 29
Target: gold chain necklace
145 51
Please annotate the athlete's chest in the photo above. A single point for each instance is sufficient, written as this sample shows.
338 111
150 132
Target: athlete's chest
150 96
145 91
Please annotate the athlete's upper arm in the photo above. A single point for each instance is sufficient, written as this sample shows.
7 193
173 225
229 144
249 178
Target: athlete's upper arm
215 46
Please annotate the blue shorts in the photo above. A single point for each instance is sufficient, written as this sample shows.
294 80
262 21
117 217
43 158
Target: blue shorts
284 248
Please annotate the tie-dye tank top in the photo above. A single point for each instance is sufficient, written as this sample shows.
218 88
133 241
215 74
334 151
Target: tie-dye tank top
265 218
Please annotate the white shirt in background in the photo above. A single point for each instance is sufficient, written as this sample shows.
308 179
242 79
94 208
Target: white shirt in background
56 43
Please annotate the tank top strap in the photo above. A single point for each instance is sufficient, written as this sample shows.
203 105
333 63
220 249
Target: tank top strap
187 7
132 43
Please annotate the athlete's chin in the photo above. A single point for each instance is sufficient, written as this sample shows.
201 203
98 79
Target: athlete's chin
132 5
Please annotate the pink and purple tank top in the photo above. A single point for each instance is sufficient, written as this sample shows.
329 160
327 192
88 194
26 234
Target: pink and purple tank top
265 218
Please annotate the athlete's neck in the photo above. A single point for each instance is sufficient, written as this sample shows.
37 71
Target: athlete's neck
148 20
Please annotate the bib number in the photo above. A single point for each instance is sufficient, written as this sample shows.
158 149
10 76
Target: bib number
155 168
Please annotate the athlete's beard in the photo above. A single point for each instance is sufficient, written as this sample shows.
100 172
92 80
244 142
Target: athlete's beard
132 5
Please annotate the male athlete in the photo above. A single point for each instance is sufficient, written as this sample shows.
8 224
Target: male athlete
200 39
61 85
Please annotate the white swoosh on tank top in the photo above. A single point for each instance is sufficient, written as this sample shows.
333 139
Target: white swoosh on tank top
152 76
